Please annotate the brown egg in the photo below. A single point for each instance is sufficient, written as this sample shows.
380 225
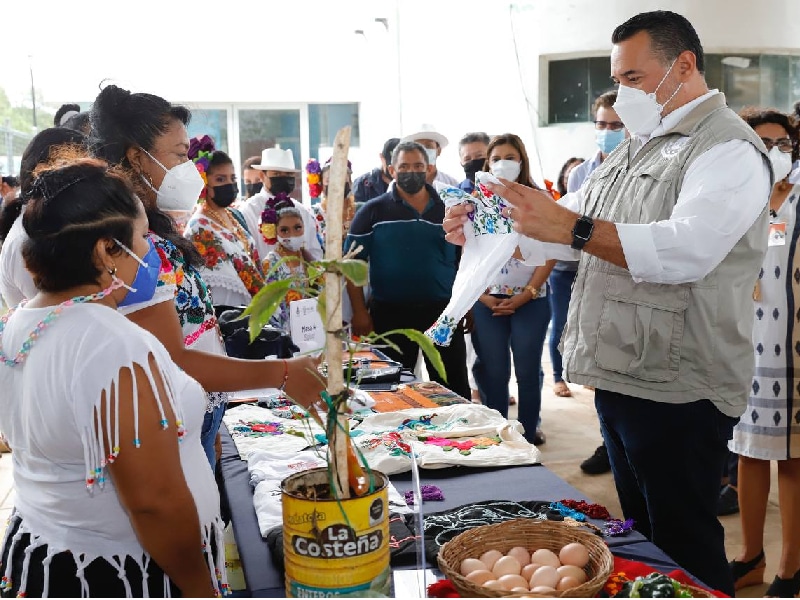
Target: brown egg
493 584
574 554
507 565
480 577
468 565
513 581
547 557
529 570
572 571
567 583
521 554
490 557
520 590
544 575
543 589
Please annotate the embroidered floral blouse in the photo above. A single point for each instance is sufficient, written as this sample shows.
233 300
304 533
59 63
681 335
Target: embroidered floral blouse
185 286
232 266
279 273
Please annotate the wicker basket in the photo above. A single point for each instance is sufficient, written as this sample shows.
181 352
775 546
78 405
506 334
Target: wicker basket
531 534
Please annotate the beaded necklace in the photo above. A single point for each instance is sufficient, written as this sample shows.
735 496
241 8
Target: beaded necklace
44 323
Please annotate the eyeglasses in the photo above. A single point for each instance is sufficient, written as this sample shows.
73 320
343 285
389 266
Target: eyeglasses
612 125
783 144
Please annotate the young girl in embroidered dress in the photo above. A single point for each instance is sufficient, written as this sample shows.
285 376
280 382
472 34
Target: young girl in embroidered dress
113 494
288 259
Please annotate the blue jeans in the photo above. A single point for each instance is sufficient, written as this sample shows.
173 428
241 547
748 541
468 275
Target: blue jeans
208 435
667 460
494 338
560 293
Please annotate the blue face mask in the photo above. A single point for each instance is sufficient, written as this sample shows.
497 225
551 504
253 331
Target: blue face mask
144 284
608 139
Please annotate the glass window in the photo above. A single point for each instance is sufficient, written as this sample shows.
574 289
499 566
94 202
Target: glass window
266 128
325 120
212 122
573 86
765 80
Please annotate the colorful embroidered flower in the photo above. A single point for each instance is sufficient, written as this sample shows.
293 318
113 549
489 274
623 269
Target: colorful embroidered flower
293 295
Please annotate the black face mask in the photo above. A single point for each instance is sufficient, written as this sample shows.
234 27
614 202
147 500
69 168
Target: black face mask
472 167
253 188
281 185
224 195
411 181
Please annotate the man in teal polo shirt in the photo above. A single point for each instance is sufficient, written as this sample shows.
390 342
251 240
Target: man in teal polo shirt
411 266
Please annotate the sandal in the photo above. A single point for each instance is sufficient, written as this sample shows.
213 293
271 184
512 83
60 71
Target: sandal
561 389
784 588
749 572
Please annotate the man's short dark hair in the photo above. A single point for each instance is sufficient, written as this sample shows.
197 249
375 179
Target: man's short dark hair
409 147
388 147
475 136
670 33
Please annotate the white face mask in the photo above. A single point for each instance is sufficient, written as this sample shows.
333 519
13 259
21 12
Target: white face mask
507 169
431 152
639 111
181 186
781 163
293 244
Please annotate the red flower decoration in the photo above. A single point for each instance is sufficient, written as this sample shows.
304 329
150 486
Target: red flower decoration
442 589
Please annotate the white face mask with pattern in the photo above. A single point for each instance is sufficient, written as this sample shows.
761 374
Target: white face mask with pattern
292 244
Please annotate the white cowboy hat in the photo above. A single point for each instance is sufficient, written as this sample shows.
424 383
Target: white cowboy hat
275 159
427 131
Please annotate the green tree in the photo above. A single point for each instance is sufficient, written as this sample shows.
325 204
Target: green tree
20 118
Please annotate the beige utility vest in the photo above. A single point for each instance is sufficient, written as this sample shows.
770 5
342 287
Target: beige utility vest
671 343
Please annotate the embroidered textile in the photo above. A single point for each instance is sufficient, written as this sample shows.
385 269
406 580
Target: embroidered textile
490 242
231 259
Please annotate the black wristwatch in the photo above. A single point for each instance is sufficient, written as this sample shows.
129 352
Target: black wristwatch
582 232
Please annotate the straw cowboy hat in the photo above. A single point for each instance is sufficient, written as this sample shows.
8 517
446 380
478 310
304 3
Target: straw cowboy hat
427 131
275 159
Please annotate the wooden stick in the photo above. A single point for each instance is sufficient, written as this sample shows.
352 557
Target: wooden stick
338 439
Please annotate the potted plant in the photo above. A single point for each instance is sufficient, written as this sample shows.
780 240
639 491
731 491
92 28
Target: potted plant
336 526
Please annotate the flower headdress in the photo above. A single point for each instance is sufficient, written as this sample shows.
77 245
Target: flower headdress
201 149
269 216
314 177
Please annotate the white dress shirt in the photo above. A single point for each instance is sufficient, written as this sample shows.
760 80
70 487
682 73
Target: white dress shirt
723 193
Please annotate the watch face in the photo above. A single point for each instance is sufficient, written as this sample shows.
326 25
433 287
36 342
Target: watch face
583 228
582 231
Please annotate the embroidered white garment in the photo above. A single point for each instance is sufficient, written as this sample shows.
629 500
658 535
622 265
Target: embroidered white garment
456 435
490 242
256 428
269 467
47 412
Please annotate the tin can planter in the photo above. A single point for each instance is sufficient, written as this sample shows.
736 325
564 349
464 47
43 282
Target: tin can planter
334 547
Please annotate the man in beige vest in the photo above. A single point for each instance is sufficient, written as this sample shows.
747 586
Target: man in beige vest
671 229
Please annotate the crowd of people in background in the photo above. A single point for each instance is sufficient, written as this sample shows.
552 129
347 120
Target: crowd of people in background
116 208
